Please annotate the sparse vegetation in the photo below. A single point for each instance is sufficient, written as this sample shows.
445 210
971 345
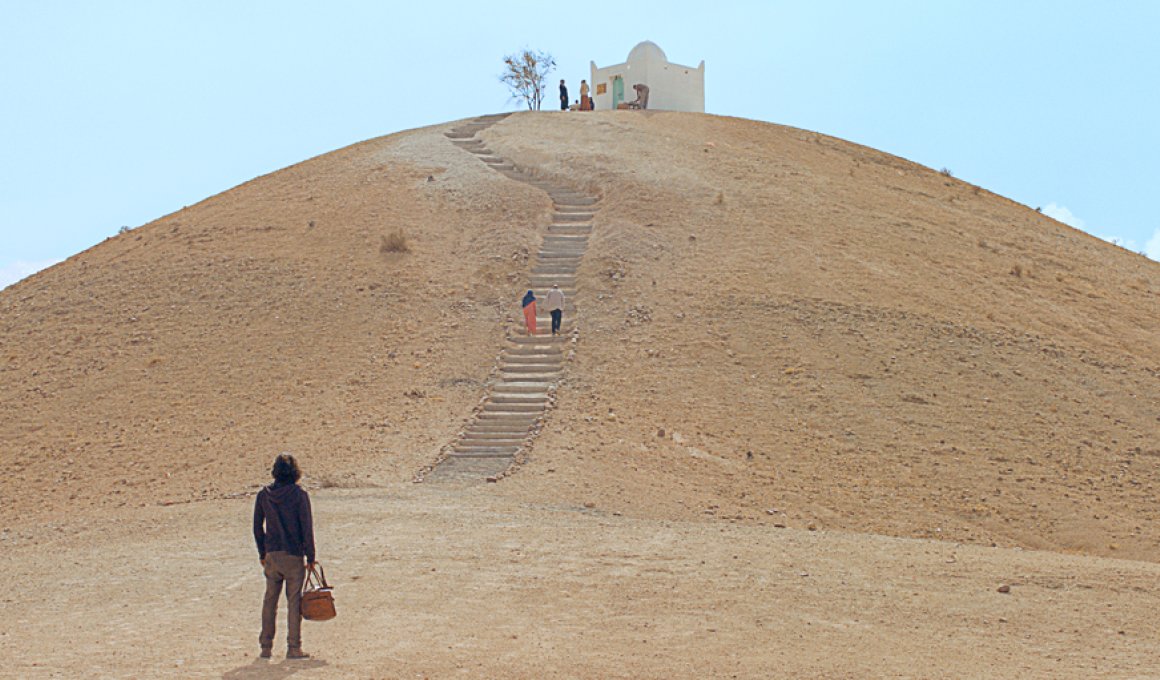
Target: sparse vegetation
525 73
124 229
946 172
395 242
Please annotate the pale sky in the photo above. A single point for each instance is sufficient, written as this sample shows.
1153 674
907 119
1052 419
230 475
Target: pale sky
116 113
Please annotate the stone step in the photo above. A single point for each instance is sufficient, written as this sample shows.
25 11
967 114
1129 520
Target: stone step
513 406
460 472
528 348
539 392
569 229
530 368
513 430
492 439
542 287
502 450
540 400
514 438
531 360
493 160
545 340
573 197
566 206
554 269
480 150
566 283
545 380
573 217
535 369
510 416
548 353
555 266
455 134
498 453
510 430
518 387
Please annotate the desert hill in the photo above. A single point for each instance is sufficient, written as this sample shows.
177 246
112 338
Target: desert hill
775 327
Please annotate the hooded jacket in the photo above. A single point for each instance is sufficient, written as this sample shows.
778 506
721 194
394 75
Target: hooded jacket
284 510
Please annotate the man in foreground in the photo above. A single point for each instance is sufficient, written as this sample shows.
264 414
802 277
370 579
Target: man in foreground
284 532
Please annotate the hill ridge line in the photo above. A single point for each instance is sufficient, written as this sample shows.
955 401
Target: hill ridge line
510 415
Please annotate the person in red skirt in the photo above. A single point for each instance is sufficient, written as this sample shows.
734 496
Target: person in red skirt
530 312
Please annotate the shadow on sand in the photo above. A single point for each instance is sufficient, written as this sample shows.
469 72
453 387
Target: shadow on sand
264 669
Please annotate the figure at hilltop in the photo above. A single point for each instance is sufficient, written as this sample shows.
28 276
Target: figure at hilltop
530 312
563 96
585 100
284 532
555 303
641 101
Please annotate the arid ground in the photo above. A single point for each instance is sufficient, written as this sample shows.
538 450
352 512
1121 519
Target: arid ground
823 404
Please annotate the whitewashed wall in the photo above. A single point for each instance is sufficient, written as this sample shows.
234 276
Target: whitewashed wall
672 87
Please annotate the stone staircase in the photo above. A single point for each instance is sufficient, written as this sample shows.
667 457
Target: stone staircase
512 412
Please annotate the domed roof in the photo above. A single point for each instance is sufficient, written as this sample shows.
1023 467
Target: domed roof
647 50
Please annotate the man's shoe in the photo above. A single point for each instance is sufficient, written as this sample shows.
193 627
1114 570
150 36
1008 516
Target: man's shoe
296 654
266 653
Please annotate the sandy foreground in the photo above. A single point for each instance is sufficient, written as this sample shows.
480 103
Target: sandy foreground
437 582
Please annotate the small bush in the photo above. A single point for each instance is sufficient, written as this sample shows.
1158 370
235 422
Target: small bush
1017 271
946 172
720 198
395 242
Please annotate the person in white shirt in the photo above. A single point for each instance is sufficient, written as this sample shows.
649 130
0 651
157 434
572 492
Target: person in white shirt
555 305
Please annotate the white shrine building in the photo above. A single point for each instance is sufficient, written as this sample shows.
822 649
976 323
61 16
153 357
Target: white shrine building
672 87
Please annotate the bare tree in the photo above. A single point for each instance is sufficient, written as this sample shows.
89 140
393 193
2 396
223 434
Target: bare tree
525 74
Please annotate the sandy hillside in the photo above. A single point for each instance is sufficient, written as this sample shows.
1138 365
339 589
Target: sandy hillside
776 329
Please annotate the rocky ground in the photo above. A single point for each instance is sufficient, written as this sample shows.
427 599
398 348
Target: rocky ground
778 331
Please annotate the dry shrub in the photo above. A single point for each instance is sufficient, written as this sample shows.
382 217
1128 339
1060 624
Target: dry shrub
720 198
1017 271
395 242
946 172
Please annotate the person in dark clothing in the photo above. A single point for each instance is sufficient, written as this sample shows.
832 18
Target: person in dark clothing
563 96
284 532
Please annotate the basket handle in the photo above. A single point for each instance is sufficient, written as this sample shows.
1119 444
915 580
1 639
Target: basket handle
316 574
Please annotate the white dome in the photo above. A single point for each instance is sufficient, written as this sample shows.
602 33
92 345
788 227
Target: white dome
647 50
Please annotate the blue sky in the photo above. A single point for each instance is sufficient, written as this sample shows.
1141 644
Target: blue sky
116 113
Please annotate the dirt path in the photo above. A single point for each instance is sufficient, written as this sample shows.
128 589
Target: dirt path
434 581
